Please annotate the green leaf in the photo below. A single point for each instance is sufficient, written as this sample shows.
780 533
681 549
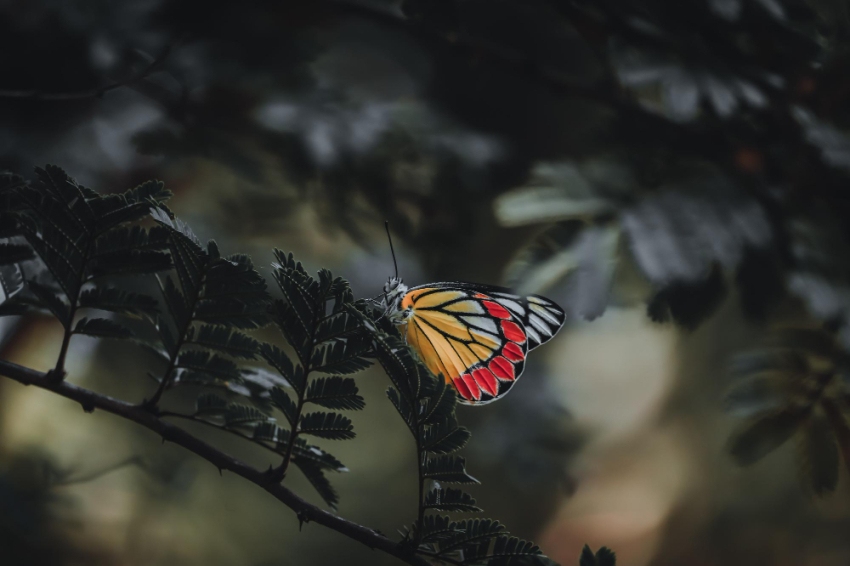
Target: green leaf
199 362
258 382
751 442
284 402
444 437
74 197
276 358
754 395
449 499
332 426
508 549
270 432
439 403
812 340
605 557
102 328
447 469
174 301
337 326
134 204
335 393
51 301
239 415
817 454
587 557
189 257
343 356
130 249
315 475
342 294
284 317
299 289
227 341
169 342
11 281
233 313
404 409
398 363
466 532
14 253
436 528
210 404
119 301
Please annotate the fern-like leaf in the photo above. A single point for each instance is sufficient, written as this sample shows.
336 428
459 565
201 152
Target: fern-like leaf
603 557
206 364
449 499
225 340
332 426
334 393
119 301
444 437
343 356
102 328
51 301
447 469
315 475
284 402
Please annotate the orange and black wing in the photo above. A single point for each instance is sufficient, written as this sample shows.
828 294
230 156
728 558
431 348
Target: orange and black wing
477 337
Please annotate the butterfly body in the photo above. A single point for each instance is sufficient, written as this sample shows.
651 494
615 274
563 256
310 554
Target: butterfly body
476 336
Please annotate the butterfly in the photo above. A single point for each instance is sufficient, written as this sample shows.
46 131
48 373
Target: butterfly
476 336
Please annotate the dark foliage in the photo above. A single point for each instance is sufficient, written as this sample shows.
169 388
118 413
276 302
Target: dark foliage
795 386
426 404
211 302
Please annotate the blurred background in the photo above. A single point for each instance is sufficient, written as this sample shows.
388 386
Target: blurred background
673 173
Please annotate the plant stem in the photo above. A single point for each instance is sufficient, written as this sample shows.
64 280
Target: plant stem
181 340
280 472
172 433
59 370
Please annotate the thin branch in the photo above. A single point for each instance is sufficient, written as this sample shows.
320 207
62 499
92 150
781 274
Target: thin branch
94 92
172 433
97 474
195 419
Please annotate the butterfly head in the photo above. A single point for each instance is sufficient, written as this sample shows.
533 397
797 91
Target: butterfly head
394 292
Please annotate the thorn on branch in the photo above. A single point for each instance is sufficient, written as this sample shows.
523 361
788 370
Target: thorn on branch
167 435
302 518
88 406
275 475
56 376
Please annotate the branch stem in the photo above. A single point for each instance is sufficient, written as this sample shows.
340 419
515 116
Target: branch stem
172 433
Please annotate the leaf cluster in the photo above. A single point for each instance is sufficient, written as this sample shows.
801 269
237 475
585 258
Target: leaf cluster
794 387
62 243
426 404
210 300
317 318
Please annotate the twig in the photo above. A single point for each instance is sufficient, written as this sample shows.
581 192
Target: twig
94 92
172 433
91 476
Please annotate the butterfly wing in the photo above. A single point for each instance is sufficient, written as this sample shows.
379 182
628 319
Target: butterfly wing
477 337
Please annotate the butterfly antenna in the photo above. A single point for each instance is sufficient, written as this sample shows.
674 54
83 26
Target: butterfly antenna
392 251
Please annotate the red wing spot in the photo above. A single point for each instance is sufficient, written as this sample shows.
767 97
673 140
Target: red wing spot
513 352
473 387
480 296
497 310
462 389
486 380
512 331
502 368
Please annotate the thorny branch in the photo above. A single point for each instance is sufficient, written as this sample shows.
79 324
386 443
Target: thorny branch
151 68
305 511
